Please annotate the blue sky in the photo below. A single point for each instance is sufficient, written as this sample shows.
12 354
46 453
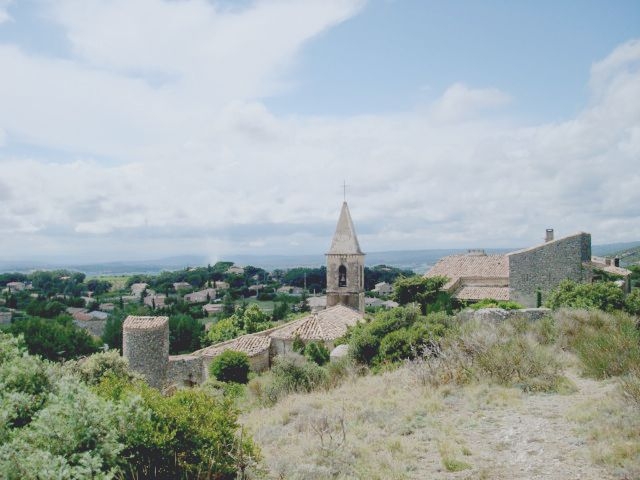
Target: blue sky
163 127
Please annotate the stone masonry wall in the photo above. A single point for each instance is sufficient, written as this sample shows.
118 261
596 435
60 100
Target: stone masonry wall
545 266
145 343
184 370
351 294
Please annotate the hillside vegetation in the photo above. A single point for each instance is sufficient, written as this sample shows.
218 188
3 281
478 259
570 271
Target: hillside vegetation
555 399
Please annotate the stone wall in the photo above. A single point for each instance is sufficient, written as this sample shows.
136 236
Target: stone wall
543 267
500 314
352 294
145 344
184 370
5 318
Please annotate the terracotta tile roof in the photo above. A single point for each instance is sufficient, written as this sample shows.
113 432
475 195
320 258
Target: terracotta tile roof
480 293
609 268
326 324
138 323
455 267
249 344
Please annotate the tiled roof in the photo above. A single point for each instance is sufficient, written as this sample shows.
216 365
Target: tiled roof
609 268
326 324
139 323
249 344
455 267
480 293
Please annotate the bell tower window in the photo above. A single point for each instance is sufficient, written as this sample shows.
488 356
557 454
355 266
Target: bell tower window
342 276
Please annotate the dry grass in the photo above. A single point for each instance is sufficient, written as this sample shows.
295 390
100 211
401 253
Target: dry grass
472 408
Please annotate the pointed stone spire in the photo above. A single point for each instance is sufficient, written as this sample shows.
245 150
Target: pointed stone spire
345 241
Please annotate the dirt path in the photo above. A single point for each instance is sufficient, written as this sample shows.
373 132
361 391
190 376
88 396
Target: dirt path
534 439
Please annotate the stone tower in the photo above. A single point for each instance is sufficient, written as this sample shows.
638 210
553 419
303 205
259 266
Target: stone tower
145 344
345 266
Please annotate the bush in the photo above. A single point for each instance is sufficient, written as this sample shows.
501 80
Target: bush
292 373
94 368
316 352
607 344
363 347
230 366
632 302
606 296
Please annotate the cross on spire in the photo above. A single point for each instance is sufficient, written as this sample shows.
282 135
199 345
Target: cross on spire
344 190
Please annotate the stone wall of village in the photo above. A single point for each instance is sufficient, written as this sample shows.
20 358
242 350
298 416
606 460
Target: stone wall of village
543 267
185 370
145 344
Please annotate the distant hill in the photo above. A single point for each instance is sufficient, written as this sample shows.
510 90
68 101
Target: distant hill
417 260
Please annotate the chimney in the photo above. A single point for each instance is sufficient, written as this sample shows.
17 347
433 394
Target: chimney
549 236
616 262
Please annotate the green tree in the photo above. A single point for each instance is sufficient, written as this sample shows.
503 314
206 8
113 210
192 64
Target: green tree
185 334
421 290
316 352
230 366
56 339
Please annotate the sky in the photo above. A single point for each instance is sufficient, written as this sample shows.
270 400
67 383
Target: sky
154 128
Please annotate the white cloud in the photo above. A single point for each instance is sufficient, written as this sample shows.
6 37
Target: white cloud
460 102
4 11
197 163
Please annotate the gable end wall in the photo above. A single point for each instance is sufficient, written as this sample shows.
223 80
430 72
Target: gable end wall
544 267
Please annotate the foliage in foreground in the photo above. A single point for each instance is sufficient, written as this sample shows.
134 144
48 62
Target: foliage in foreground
93 419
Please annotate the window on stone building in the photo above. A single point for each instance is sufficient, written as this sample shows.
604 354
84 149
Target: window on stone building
342 276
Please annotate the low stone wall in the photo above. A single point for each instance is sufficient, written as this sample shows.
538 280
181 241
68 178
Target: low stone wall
184 370
500 315
5 318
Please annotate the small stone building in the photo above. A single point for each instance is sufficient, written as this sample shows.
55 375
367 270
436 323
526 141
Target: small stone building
145 344
524 276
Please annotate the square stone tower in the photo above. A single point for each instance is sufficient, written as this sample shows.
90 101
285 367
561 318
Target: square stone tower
345 266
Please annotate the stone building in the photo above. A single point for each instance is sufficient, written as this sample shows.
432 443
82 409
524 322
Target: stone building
524 276
145 344
345 265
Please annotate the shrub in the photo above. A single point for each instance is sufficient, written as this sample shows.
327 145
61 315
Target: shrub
607 344
605 296
632 302
298 345
316 352
292 373
363 346
230 366
94 368
399 345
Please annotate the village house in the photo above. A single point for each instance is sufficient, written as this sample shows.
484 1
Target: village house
234 269
383 288
212 308
181 286
200 296
524 276
155 300
16 286
138 288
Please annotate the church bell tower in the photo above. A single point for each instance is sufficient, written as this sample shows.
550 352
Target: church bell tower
345 266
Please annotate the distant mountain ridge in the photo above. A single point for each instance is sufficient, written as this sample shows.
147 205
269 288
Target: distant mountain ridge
417 260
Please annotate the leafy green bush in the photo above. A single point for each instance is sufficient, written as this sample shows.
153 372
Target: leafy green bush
606 296
230 366
632 302
316 352
363 346
94 368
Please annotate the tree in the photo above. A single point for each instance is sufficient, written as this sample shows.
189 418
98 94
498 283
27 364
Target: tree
185 334
316 352
56 339
230 366
421 290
